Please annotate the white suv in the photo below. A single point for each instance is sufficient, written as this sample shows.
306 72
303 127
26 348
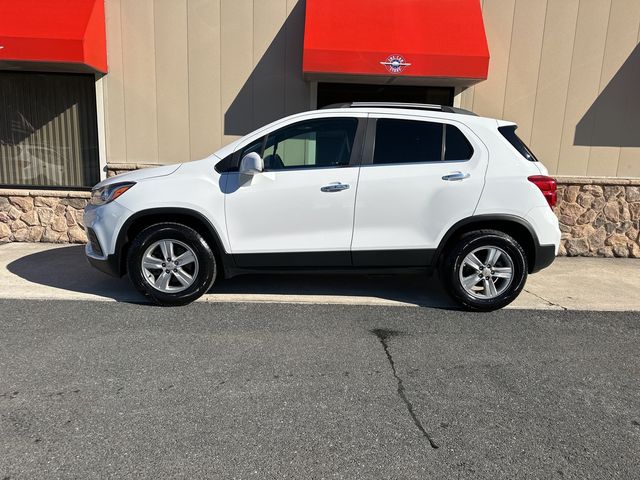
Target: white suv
360 186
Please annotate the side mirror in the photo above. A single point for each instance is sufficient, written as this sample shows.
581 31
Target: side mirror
251 164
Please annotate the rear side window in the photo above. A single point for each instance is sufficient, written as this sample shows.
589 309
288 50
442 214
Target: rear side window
509 133
411 141
407 141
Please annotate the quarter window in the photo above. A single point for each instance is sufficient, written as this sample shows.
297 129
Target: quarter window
255 147
457 147
411 141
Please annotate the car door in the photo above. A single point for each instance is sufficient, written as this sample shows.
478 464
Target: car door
419 176
299 211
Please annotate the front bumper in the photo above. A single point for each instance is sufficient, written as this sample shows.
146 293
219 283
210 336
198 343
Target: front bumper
103 223
109 265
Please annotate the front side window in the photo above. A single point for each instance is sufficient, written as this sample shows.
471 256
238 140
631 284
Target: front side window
412 141
311 144
48 130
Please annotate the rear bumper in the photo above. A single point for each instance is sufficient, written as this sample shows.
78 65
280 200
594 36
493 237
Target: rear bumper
547 236
545 255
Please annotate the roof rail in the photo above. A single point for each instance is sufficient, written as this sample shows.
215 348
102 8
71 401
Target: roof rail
415 106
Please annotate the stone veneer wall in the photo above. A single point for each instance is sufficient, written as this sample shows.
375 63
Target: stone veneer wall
598 216
52 216
42 216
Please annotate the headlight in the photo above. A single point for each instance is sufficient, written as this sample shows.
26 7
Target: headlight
109 193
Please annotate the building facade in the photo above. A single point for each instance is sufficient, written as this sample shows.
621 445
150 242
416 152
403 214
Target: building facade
165 81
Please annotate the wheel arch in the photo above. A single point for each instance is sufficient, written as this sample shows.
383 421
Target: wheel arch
145 218
512 225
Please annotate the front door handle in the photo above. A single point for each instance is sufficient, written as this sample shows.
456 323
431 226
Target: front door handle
456 176
334 187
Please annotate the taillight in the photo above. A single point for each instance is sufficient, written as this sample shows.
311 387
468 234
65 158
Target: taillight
547 186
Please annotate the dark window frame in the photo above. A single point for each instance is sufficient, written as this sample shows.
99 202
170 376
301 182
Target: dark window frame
329 93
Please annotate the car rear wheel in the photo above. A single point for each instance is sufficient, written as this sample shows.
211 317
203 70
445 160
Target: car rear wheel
171 264
485 270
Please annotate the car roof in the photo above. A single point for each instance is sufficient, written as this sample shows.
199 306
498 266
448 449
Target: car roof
403 106
443 112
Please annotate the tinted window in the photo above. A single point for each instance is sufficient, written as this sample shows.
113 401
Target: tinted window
407 141
227 164
255 147
231 162
48 130
510 134
314 143
457 145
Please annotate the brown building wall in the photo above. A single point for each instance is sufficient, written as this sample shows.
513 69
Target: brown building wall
187 76
567 71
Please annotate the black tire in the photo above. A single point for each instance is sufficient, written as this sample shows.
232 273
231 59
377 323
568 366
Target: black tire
470 242
203 279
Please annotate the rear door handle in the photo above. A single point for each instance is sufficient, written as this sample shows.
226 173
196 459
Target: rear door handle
456 176
334 187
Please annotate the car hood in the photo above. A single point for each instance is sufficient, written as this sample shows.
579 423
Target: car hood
141 174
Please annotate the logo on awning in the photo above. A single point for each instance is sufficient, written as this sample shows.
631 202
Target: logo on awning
395 63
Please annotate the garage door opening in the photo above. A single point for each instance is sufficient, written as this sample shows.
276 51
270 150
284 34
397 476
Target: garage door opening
330 93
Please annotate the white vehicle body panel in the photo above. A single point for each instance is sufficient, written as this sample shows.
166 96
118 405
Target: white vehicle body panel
409 205
104 221
285 211
507 188
197 188
386 207
545 224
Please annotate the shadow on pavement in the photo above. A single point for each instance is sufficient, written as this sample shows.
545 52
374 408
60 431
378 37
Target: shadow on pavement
66 268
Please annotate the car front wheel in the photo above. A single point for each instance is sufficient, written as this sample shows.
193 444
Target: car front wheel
485 270
171 264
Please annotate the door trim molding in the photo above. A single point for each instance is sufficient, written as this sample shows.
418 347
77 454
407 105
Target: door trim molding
336 259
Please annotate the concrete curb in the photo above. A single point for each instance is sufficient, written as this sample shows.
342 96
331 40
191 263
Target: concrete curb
54 272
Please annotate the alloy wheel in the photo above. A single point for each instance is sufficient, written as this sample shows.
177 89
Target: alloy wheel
486 272
169 266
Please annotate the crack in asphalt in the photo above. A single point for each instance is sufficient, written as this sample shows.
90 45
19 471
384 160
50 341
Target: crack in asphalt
383 335
545 300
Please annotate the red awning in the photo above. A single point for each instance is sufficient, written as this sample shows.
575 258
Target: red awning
399 38
68 32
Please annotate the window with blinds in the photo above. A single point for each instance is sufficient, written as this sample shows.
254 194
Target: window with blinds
48 130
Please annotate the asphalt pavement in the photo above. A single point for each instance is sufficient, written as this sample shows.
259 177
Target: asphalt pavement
92 389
